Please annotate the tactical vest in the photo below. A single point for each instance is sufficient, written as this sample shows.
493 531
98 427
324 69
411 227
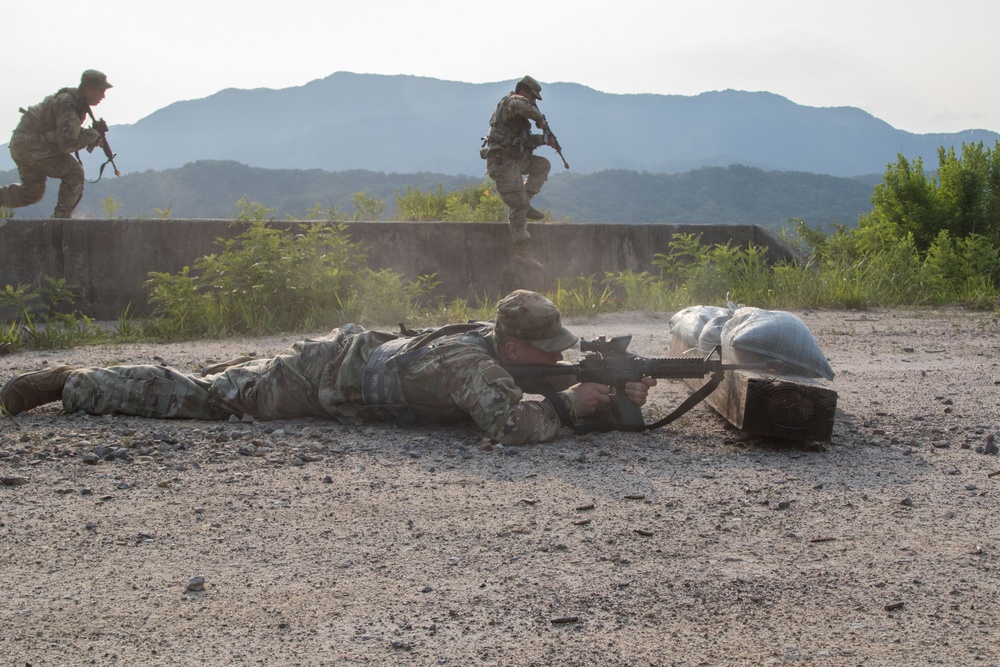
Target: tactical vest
40 119
381 385
509 130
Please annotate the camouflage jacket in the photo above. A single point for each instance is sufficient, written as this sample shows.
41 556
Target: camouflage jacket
510 125
53 126
448 374
450 377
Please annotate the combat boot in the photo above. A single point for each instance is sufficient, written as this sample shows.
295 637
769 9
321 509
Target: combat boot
535 214
519 232
30 390
523 256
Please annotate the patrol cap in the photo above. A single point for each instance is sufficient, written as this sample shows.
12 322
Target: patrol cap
532 317
532 85
91 78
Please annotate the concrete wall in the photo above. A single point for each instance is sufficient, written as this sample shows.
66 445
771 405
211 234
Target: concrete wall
107 262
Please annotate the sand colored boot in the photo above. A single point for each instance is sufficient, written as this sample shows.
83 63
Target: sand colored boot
30 390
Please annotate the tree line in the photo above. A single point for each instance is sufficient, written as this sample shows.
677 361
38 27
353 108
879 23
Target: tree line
711 195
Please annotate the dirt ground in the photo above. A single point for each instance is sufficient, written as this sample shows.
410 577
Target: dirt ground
322 544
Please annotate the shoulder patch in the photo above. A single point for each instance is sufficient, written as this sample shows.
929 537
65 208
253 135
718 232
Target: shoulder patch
494 373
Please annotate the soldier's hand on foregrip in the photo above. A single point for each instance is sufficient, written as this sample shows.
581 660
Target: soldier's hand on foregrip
100 126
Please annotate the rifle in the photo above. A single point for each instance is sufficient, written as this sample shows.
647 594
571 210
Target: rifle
609 362
102 129
548 134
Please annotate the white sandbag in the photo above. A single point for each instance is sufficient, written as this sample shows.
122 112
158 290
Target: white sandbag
681 314
753 335
711 334
687 324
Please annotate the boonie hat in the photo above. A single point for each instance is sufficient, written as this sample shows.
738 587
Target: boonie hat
532 85
530 316
93 79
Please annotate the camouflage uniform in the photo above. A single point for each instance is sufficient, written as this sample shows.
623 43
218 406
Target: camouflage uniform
509 156
43 144
452 373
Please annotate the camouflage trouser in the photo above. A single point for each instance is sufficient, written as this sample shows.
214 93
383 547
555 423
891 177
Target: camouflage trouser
33 173
313 378
508 173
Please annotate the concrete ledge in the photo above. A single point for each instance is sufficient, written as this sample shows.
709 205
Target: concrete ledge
107 262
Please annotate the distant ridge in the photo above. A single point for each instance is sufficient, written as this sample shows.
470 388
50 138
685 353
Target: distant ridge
409 124
710 195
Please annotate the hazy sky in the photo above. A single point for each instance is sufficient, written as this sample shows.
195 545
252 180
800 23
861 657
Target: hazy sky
919 65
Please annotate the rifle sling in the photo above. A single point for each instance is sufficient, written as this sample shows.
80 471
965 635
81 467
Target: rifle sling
560 407
694 399
105 147
100 171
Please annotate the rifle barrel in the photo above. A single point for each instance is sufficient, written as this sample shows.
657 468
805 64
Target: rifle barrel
662 368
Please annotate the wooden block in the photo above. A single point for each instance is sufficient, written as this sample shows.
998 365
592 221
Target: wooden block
788 406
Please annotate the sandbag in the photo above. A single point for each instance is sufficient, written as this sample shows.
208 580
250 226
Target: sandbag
688 323
711 334
753 335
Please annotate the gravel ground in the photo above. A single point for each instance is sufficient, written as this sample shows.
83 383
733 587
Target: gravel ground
126 541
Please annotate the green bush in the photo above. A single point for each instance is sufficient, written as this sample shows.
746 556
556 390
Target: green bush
269 279
264 280
474 203
37 325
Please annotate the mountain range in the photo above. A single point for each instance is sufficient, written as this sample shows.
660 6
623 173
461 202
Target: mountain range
718 157
409 124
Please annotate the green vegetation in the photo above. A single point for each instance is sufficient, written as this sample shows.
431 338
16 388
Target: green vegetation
928 241
963 198
473 203
37 325
110 207
268 280
367 208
